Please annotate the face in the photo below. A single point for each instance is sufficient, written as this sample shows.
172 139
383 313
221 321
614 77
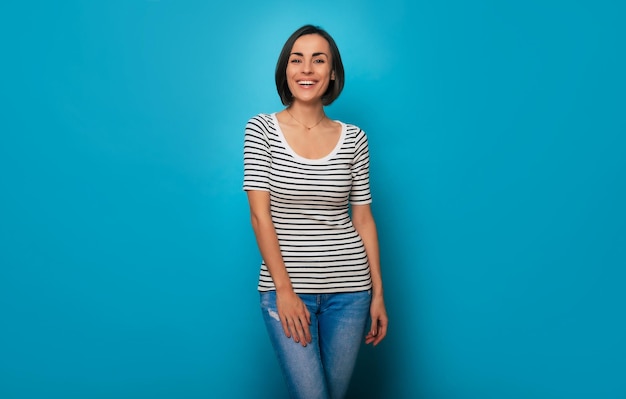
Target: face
309 70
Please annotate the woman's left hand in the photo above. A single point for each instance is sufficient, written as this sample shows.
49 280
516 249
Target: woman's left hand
378 330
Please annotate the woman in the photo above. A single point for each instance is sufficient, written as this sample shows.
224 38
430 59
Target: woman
307 181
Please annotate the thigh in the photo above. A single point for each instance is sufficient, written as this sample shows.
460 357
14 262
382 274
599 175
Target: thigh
301 366
342 324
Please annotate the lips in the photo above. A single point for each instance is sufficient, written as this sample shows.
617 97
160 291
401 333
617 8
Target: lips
306 83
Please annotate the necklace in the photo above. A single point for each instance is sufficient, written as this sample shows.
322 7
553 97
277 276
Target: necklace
308 128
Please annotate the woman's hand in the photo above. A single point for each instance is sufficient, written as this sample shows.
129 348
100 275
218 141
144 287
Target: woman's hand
294 316
378 330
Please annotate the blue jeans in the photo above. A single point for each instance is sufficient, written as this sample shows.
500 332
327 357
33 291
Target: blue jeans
322 369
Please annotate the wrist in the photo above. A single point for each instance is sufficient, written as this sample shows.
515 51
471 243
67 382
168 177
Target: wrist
377 292
284 289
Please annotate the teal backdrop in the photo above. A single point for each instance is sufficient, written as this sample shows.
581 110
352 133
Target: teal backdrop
497 133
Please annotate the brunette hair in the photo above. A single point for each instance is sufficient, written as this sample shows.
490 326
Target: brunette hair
334 87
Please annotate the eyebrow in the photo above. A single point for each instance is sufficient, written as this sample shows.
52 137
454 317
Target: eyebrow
314 54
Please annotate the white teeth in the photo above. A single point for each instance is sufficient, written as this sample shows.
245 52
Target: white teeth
306 82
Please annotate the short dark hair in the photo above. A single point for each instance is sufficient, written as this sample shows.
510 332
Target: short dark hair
334 87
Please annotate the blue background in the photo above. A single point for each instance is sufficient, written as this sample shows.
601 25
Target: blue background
498 140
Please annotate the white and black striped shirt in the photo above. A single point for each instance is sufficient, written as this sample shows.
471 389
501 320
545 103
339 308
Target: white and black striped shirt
309 201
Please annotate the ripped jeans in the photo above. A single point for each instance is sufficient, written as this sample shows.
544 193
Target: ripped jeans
323 368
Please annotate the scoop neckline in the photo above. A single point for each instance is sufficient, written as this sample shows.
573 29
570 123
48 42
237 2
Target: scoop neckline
302 159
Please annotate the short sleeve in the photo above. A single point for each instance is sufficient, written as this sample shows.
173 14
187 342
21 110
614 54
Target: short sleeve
360 193
256 156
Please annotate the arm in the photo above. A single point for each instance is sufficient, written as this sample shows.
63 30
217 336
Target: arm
363 222
294 315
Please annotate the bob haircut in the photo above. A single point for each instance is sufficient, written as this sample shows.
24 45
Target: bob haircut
334 86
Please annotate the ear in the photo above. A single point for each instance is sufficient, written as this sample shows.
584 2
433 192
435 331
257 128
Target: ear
332 75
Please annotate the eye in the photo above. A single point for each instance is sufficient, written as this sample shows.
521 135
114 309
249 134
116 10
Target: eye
319 61
295 61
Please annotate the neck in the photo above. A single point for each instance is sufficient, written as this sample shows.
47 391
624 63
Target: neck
306 114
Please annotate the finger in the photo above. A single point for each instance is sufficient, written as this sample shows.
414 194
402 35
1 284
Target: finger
307 331
379 337
383 329
377 332
369 338
283 322
303 332
374 327
290 328
305 326
293 327
381 333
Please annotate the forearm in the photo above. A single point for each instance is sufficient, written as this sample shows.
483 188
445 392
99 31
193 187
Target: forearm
370 240
366 227
267 241
293 313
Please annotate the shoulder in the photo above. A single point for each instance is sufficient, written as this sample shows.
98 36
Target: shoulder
261 124
351 128
354 134
261 120
263 117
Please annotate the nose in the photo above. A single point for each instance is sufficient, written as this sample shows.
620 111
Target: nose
306 66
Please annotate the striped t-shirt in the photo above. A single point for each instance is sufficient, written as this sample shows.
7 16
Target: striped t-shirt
309 200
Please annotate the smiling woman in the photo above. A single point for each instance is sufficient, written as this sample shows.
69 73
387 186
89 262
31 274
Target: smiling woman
322 49
320 277
498 149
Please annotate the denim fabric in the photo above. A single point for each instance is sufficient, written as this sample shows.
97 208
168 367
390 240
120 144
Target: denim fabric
323 368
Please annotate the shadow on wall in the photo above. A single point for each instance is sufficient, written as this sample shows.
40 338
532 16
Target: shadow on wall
371 379
390 369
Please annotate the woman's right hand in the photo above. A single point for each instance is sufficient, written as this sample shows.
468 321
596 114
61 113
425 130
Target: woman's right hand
294 316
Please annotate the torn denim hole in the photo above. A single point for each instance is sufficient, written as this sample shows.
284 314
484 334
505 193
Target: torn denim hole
273 314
